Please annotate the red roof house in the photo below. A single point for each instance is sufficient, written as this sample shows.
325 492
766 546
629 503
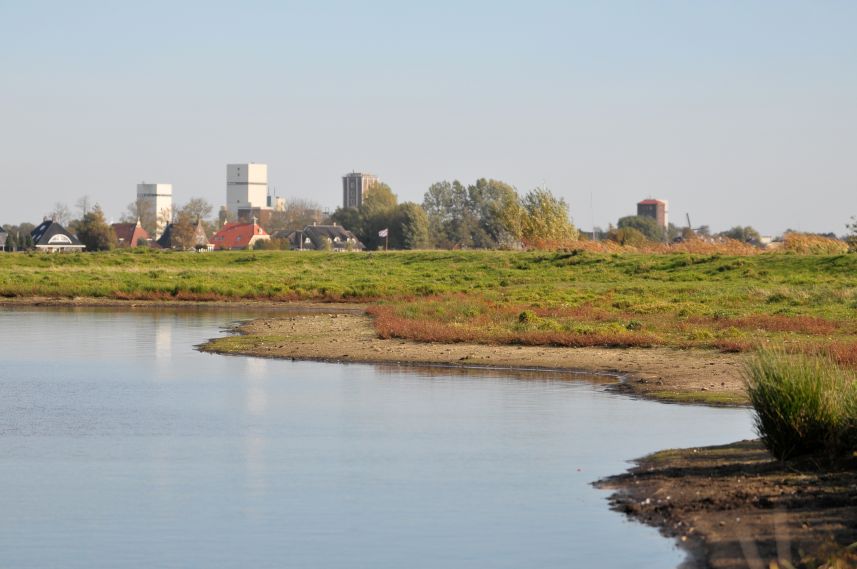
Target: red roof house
129 234
238 235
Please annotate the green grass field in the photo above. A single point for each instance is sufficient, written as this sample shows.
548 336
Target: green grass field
807 303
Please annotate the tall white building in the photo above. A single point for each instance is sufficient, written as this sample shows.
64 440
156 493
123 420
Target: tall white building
156 200
354 186
246 187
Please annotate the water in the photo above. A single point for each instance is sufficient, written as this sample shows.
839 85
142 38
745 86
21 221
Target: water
121 446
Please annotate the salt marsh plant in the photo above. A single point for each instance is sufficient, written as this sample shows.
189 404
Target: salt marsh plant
803 404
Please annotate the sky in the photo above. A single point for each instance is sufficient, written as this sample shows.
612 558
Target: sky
739 112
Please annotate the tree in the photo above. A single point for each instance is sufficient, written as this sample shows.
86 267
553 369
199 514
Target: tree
347 217
297 214
627 236
545 221
60 213
377 212
198 209
410 227
93 231
648 226
744 234
497 211
83 204
183 231
851 238
486 214
20 237
224 216
143 211
443 211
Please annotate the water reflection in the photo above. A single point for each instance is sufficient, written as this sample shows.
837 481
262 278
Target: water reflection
118 453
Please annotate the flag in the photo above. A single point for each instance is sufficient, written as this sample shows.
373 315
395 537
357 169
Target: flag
383 232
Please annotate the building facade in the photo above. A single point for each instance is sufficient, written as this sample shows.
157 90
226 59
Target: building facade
51 237
156 200
354 186
655 209
246 187
239 235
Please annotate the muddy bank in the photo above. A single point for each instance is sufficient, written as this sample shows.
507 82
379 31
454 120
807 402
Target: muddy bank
734 506
679 375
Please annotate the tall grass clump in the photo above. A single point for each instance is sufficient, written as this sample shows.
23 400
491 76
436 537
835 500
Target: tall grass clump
803 404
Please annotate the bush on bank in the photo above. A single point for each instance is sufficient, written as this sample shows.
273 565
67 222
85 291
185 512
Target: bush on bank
803 405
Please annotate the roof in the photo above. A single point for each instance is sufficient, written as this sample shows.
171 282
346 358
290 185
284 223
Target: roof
339 237
652 202
199 236
129 233
51 234
237 235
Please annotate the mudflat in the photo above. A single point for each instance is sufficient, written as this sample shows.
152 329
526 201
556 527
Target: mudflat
692 375
735 506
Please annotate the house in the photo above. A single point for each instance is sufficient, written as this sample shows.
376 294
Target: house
51 237
130 234
323 238
3 236
239 235
199 240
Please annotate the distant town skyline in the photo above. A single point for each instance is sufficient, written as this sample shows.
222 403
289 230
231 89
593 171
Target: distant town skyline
737 113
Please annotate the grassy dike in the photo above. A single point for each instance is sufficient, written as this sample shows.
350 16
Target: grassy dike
576 299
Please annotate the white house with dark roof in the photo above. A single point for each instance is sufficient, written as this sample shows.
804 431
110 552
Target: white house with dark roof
51 237
322 237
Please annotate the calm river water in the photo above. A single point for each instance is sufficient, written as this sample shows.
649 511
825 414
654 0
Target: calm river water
121 446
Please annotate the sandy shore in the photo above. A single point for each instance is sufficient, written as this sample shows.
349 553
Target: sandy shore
342 332
662 373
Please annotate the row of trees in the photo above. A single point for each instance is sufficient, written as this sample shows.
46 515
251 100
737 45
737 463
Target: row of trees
487 214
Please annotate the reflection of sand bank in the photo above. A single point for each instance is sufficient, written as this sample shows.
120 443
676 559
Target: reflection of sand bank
163 337
255 466
256 400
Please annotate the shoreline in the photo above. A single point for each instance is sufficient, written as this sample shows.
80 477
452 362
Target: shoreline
734 506
287 330
710 500
662 374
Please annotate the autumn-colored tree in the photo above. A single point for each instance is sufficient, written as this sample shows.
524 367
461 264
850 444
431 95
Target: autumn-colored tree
94 232
546 221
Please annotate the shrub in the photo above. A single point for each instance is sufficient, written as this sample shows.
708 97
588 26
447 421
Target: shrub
807 243
803 405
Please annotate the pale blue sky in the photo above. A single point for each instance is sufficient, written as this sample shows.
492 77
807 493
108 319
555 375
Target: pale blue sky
738 112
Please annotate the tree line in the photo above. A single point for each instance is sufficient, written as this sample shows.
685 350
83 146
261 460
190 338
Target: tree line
488 214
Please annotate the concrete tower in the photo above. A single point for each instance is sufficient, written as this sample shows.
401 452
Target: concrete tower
246 187
354 186
156 200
